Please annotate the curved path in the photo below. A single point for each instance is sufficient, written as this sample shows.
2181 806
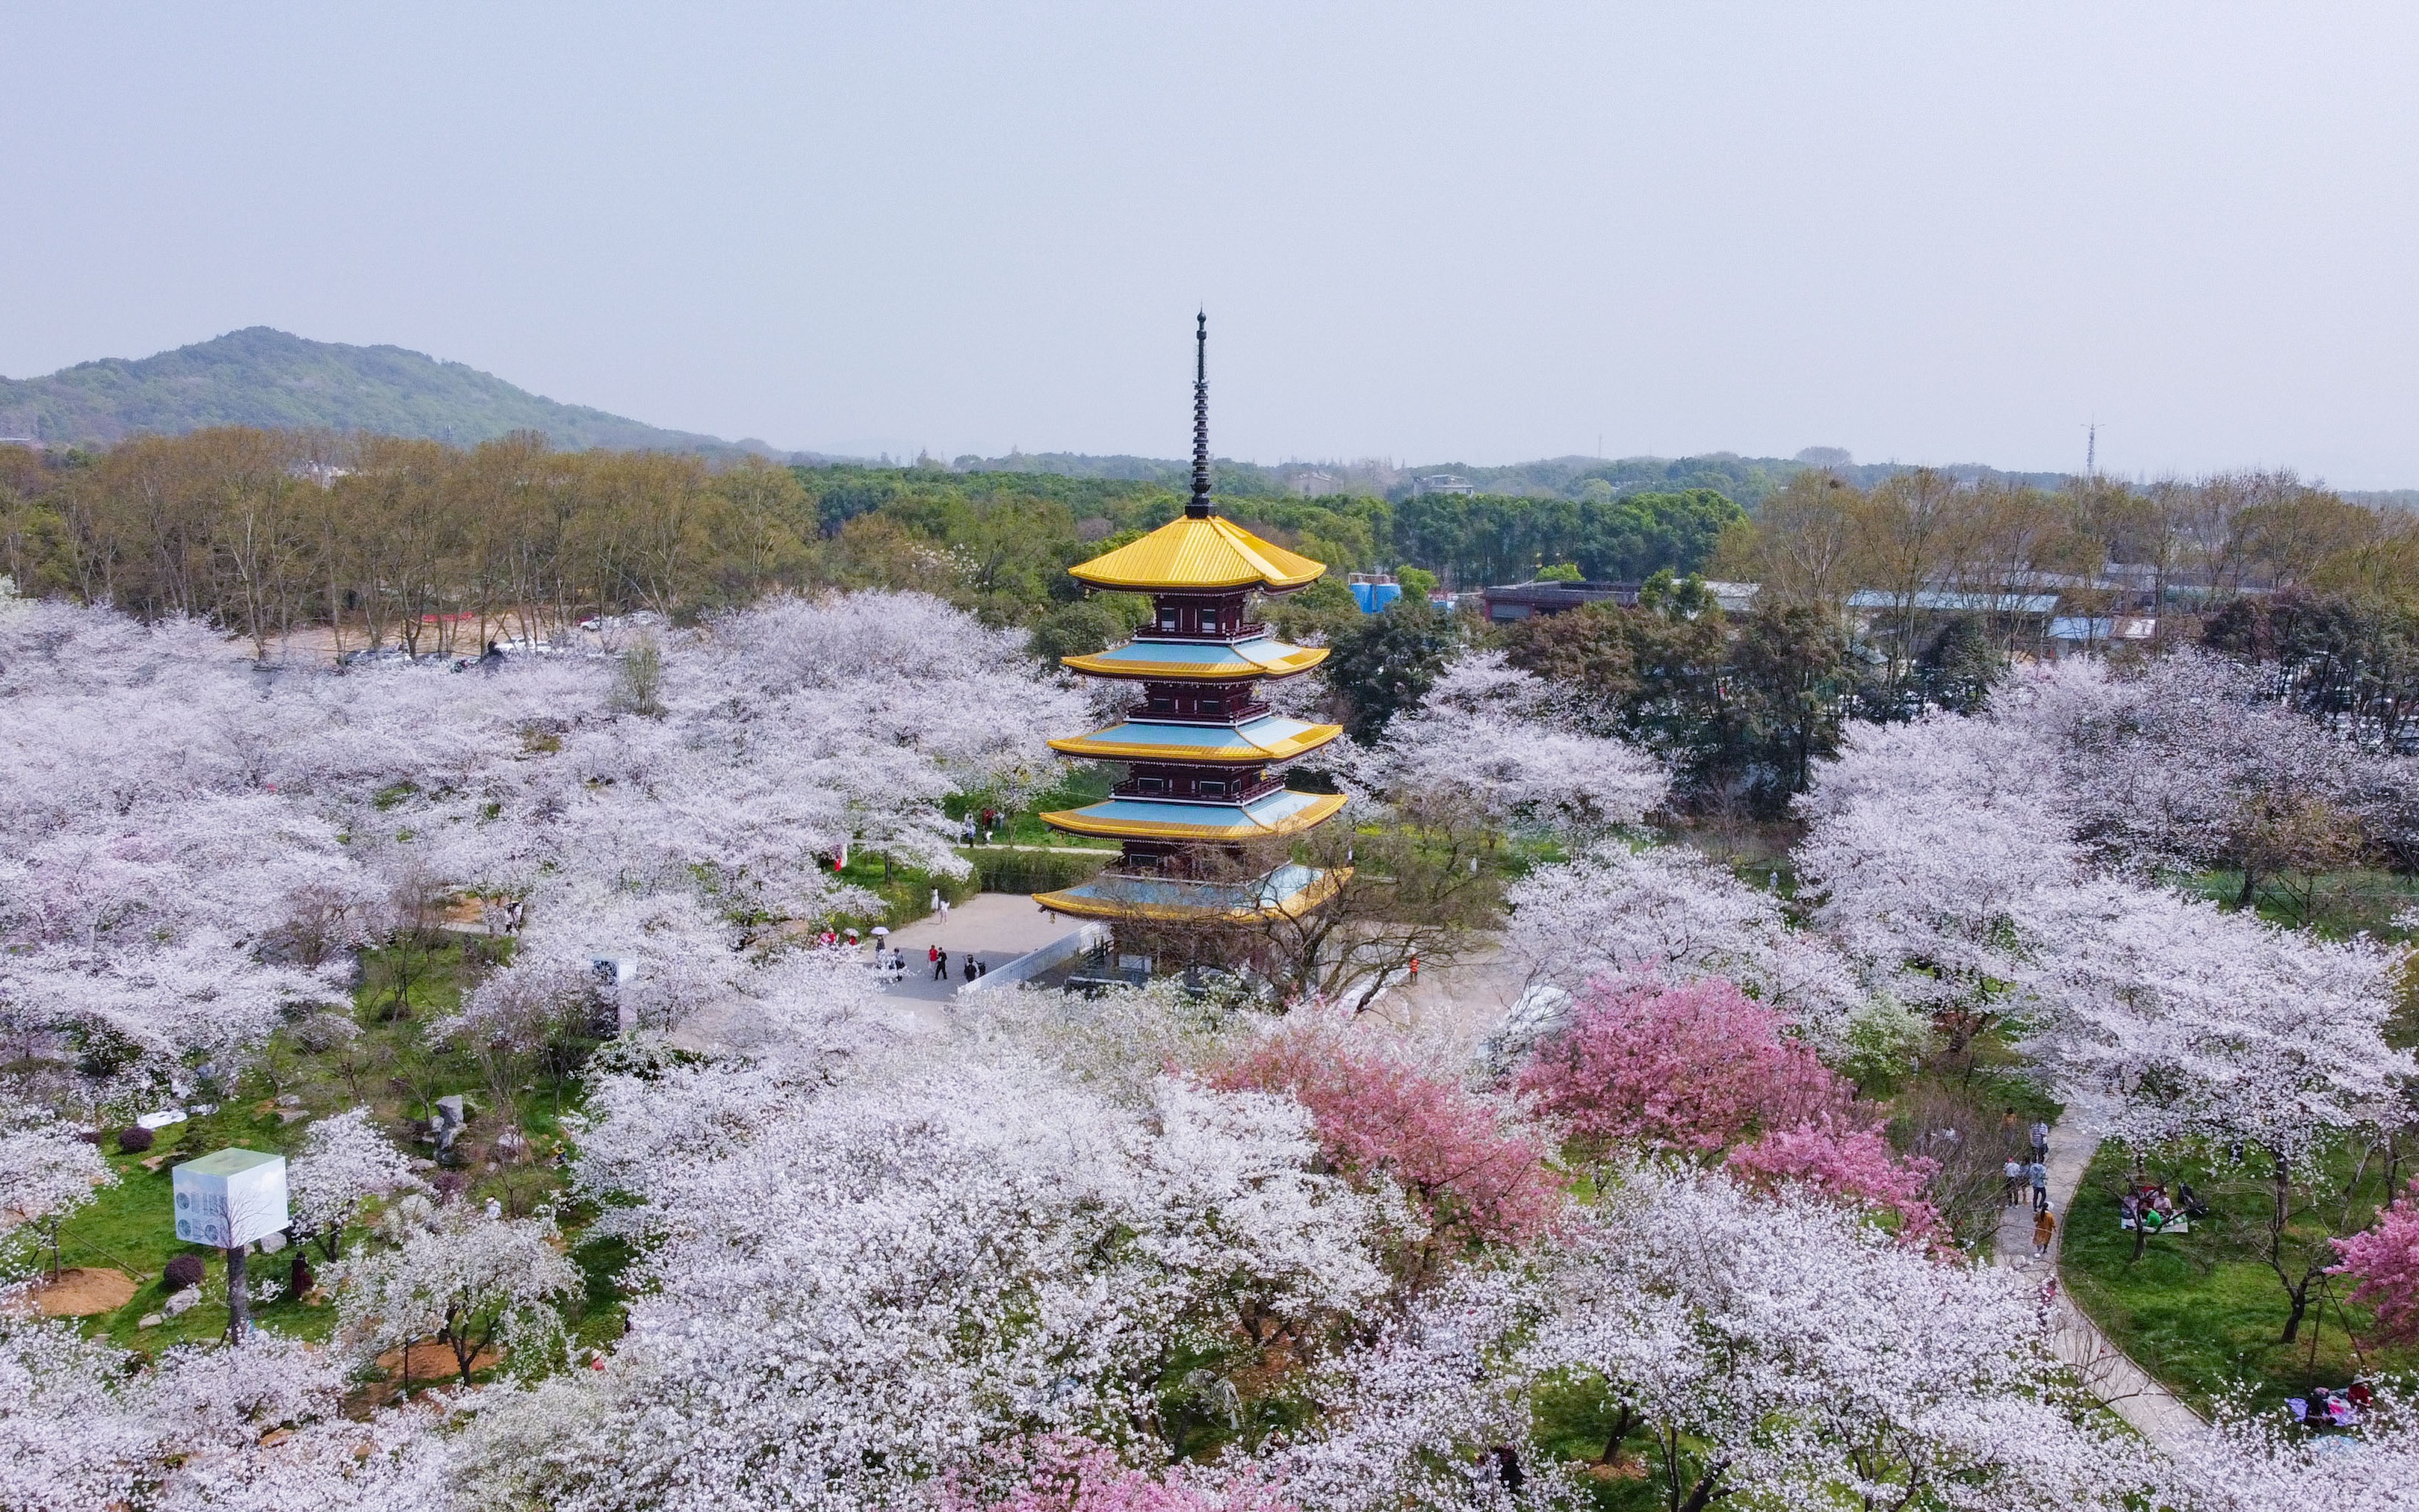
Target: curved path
2107 1371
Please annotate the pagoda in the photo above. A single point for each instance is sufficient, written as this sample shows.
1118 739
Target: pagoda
1198 793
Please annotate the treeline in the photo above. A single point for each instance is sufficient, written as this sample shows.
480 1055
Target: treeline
393 541
1477 539
431 547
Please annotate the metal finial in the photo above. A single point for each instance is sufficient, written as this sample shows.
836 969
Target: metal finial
1199 507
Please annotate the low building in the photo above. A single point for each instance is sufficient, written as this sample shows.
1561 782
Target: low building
1520 601
1733 598
2075 634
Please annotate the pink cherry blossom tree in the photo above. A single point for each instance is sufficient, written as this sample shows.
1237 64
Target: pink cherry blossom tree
2382 1262
1836 1157
1474 1177
1691 1068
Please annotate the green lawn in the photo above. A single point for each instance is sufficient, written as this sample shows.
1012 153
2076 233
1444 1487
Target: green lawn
129 1227
1082 782
2338 904
2201 1311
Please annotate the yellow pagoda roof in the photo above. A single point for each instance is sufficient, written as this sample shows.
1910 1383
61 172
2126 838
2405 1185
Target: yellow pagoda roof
1202 553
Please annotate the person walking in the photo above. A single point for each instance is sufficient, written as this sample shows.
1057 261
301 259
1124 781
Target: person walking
940 964
2041 1141
2014 1192
2040 1186
970 967
2044 1230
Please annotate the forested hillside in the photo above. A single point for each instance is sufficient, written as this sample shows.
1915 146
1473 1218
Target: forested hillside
264 377
1746 480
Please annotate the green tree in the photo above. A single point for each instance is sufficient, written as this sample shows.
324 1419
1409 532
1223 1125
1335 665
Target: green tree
1076 629
1791 679
1387 662
1961 665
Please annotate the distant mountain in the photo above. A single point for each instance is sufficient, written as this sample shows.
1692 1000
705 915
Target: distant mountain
261 376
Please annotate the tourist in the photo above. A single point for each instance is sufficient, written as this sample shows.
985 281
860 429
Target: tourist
940 964
2044 1229
2041 1141
2015 1190
2040 1174
982 968
970 967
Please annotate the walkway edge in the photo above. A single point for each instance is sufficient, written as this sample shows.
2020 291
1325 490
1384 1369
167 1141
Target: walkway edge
2107 1372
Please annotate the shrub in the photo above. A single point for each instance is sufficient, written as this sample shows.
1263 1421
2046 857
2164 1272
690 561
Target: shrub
184 1270
1037 872
134 1141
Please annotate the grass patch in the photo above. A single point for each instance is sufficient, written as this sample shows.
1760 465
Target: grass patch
2338 904
906 893
2202 1311
999 870
1083 783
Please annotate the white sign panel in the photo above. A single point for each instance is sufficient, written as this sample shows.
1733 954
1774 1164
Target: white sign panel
231 1197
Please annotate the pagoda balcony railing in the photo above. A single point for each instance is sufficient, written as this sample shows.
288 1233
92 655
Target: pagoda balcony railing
1133 788
1236 714
1247 631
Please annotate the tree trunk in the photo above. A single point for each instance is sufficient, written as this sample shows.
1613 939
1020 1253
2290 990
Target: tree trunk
1707 1490
2300 1296
238 1296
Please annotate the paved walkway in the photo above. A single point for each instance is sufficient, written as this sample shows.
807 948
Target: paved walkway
2107 1371
994 928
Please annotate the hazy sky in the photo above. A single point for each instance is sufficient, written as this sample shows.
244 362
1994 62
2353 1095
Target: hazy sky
1930 232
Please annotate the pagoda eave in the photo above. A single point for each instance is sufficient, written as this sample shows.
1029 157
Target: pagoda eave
1128 661
1130 819
1238 750
1287 893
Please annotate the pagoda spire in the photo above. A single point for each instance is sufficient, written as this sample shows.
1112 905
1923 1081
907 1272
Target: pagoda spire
1199 508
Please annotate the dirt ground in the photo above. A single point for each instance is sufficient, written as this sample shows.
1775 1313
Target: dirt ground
80 1292
432 1365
